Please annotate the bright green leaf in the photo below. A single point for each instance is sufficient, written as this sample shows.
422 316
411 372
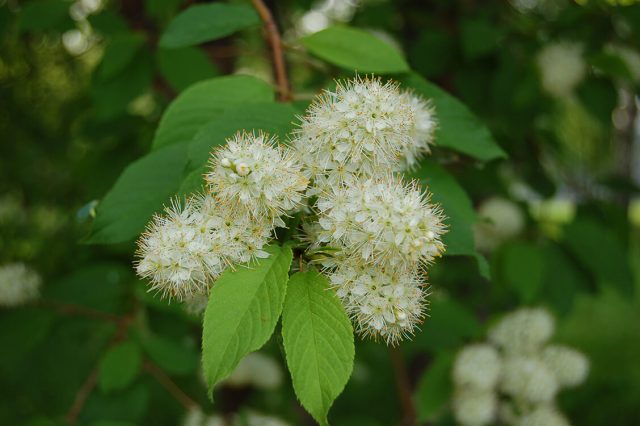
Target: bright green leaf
140 191
355 50
458 128
205 100
206 22
119 367
183 67
275 119
455 203
435 387
318 341
244 307
172 356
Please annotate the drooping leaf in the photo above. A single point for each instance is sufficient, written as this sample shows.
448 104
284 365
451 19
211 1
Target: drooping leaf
435 387
206 22
119 366
244 307
318 341
205 100
275 119
183 67
355 50
455 204
140 191
458 128
171 355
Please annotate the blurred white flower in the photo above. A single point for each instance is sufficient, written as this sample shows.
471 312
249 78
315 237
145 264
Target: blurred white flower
543 415
529 378
477 366
19 284
499 219
562 67
258 370
523 331
569 366
473 407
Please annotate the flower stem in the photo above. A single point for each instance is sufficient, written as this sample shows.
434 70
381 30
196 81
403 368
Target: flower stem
403 387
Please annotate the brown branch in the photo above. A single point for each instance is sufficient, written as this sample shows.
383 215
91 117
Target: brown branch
404 387
82 396
169 385
273 37
68 309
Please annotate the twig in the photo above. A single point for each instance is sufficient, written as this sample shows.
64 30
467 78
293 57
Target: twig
169 385
69 309
82 396
273 36
404 387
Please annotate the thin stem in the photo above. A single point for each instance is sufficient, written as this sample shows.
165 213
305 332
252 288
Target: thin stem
68 309
404 387
273 37
81 396
169 385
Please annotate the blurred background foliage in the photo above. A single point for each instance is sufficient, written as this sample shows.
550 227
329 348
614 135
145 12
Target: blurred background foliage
83 85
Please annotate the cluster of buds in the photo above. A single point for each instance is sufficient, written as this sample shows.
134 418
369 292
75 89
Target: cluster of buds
372 233
515 377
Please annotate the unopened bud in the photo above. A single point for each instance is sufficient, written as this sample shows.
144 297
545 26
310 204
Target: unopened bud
225 162
243 169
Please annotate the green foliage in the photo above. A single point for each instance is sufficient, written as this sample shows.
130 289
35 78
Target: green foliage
171 355
435 387
449 325
318 341
203 101
45 15
206 22
119 53
184 67
119 366
523 269
244 307
355 49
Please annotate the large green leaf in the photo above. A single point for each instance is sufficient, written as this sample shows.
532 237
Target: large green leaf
119 366
318 341
206 22
203 101
355 50
140 191
183 67
244 307
455 203
435 387
458 128
275 119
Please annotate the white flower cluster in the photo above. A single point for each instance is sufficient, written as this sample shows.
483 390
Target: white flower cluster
19 284
196 417
252 183
383 231
562 68
378 233
515 377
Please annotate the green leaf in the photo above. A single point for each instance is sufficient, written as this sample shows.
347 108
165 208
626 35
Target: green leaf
119 367
600 253
611 64
206 22
455 203
140 191
562 279
355 49
318 341
449 324
479 37
172 356
273 118
458 128
192 183
205 100
435 387
523 269
244 307
183 67
119 53
45 15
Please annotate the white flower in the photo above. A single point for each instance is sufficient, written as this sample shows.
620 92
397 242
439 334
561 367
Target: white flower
382 220
384 302
252 418
499 219
543 415
568 365
253 171
528 378
196 303
473 407
183 251
423 129
562 67
19 284
194 417
477 366
523 331
364 126
256 369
